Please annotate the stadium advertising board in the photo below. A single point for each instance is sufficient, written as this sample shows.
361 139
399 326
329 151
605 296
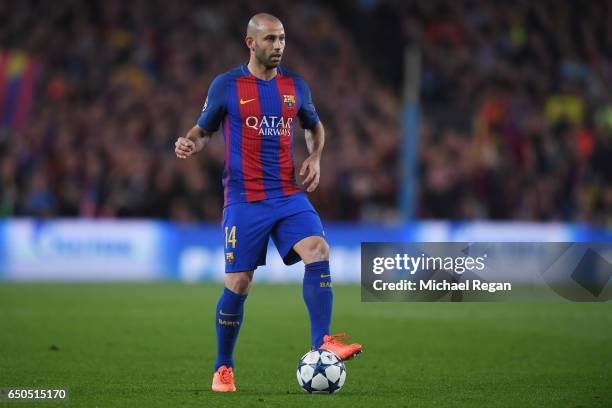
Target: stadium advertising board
105 250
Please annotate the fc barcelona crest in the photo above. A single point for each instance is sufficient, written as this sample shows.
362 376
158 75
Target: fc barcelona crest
229 258
289 100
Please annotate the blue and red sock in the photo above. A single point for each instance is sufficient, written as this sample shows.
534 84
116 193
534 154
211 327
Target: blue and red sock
319 297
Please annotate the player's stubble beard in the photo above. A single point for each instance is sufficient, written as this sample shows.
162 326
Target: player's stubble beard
265 60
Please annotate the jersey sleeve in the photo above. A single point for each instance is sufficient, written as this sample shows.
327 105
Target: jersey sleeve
307 113
214 109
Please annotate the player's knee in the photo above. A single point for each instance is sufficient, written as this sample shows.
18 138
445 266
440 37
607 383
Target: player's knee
319 251
239 282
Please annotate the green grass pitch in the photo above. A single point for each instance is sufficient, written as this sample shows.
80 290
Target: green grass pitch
153 345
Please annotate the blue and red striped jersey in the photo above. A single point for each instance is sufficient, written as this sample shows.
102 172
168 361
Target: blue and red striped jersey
257 118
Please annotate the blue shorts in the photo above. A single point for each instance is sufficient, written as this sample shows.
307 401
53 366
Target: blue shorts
247 229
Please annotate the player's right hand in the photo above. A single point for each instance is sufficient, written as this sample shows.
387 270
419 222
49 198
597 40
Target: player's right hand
184 147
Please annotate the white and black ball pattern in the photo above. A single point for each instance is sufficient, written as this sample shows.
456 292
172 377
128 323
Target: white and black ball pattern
321 372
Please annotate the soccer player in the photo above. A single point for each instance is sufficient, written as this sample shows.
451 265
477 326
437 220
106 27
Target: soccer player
257 106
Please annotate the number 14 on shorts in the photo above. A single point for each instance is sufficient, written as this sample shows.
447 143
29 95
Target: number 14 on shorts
230 237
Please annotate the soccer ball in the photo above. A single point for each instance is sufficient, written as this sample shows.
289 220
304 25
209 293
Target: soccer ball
321 372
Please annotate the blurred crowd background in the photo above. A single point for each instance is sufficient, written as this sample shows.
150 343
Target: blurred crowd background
515 99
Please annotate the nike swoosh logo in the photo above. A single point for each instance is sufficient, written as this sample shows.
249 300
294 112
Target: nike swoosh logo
243 101
325 276
228 314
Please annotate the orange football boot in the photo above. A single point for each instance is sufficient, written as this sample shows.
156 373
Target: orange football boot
223 380
344 351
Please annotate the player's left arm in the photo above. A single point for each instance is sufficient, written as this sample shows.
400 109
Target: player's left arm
315 137
315 140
